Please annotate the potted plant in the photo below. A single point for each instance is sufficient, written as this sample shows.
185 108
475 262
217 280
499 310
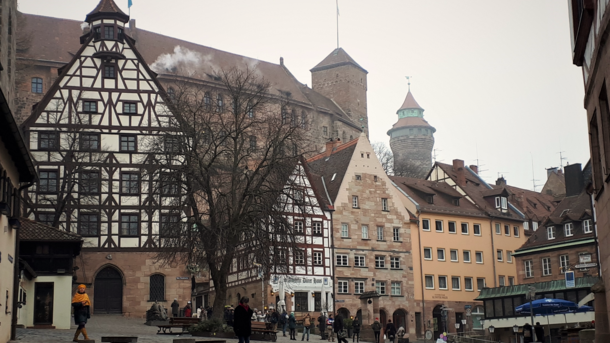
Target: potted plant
348 325
211 328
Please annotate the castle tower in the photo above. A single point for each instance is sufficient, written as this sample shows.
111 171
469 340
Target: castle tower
411 140
341 79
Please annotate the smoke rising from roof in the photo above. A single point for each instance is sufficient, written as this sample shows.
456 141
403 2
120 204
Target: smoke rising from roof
84 25
181 61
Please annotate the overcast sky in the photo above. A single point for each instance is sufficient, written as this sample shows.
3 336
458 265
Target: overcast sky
495 77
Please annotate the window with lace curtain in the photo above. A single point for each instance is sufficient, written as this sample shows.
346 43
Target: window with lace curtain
157 287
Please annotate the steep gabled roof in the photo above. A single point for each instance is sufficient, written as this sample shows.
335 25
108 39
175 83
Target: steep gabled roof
333 167
337 58
34 231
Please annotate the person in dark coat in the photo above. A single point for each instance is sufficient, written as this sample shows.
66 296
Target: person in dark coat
175 308
81 304
338 328
292 325
242 325
376 326
322 325
284 322
356 330
539 330
390 331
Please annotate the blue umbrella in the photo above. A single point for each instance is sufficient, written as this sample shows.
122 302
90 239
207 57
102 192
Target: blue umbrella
547 306
585 309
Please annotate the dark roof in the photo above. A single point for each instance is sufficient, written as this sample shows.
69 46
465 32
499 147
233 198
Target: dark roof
570 209
15 143
34 231
337 58
326 166
106 9
442 193
536 206
409 103
56 40
541 287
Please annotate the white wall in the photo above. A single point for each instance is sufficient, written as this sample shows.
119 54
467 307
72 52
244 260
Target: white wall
62 301
7 248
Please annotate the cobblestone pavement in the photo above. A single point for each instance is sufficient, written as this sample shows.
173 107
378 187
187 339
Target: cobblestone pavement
113 325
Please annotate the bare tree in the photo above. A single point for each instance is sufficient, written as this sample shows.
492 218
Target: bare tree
385 156
74 181
225 167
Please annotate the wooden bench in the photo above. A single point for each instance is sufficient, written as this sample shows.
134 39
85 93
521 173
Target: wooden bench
177 322
264 329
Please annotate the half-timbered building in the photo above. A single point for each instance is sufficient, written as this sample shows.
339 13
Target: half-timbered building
302 276
88 135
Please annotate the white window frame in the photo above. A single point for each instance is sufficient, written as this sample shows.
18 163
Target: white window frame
526 226
454 224
586 226
568 229
344 230
474 229
507 230
318 258
429 278
436 228
342 260
550 232
384 205
511 280
423 227
527 267
504 203
546 266
380 262
396 234
466 284
354 201
498 228
359 261
380 287
502 280
442 277
380 233
516 231
299 257
342 287
394 262
457 257
428 258
358 287
459 281
497 202
299 226
564 263
365 232
500 255
469 260
438 250
484 283
395 288
534 226
509 256
316 227
462 228
476 256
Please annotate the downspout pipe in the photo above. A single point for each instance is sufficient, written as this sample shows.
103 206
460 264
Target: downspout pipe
332 243
16 273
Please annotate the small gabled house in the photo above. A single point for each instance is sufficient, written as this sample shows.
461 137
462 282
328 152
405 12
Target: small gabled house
47 259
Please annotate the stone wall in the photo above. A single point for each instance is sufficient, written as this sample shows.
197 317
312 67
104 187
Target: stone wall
556 274
412 155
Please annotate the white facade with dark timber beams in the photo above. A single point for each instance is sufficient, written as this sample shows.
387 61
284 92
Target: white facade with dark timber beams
89 136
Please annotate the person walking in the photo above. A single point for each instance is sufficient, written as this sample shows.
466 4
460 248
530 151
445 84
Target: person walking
390 331
292 325
322 325
275 318
539 330
81 304
376 326
187 310
242 323
175 308
356 330
329 328
284 322
306 326
338 329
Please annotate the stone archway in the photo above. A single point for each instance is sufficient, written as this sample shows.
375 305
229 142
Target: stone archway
383 318
343 312
108 291
399 317
437 318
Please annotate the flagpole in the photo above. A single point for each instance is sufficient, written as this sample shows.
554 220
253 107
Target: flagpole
337 24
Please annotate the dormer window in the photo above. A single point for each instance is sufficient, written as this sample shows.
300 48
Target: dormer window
502 203
568 229
430 199
455 201
550 232
108 32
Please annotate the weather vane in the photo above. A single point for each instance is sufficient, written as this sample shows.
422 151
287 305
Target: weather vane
409 81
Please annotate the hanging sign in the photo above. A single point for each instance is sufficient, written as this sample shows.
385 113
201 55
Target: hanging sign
570 281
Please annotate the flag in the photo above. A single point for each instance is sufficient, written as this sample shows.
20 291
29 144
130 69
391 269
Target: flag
129 3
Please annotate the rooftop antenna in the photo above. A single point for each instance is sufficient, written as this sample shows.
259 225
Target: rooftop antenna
337 24
434 155
533 176
561 158
409 81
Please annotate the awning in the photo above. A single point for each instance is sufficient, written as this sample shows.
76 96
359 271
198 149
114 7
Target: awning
541 287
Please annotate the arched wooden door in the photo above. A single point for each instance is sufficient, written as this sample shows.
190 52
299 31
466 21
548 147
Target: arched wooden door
108 292
400 319
437 317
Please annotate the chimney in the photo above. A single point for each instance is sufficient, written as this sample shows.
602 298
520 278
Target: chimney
575 181
458 168
281 61
501 181
331 145
133 30
475 169
550 171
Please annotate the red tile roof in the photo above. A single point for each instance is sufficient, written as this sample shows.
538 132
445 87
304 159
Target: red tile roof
34 231
411 122
410 103
337 58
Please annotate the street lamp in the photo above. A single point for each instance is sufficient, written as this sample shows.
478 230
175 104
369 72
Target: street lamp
491 329
464 323
516 330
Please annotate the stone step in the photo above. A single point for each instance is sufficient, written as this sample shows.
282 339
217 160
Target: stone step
119 339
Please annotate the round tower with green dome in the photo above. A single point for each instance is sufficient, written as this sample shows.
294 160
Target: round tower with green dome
411 140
